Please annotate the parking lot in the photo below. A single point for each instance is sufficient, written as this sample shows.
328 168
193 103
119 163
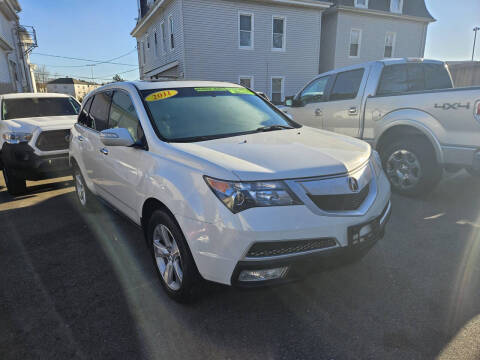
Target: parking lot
83 286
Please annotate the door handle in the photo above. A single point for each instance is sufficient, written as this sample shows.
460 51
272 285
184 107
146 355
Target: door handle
318 112
352 111
104 151
80 138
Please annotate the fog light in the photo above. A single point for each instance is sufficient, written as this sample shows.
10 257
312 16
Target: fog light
263 275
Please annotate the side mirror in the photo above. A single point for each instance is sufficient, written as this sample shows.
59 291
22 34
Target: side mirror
289 102
116 137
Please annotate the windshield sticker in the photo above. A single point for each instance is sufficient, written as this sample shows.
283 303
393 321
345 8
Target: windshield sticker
161 95
239 91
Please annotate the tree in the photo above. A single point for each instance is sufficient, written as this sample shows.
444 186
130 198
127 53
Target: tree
118 78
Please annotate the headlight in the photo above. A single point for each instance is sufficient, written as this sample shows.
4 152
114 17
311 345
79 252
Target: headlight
17 137
239 196
377 163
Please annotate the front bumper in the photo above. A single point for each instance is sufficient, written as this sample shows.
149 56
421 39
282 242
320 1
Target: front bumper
22 159
298 265
218 247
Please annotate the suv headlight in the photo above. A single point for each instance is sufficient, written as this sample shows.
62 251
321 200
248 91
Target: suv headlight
239 196
17 137
377 162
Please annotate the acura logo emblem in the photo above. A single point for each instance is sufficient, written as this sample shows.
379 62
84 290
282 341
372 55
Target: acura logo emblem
353 184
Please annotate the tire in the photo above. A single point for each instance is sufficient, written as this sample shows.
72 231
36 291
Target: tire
15 184
85 199
411 166
170 253
473 172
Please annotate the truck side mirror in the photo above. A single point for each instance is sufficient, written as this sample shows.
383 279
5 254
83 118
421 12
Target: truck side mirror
116 137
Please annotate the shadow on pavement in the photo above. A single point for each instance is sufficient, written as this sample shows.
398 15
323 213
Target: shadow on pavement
84 284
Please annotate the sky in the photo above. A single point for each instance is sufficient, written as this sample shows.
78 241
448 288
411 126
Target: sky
100 30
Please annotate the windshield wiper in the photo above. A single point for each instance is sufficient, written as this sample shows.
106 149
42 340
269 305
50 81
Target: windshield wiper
273 128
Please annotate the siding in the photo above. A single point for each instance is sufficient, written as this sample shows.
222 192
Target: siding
410 38
153 62
212 52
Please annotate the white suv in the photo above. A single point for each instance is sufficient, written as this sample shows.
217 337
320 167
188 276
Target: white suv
225 185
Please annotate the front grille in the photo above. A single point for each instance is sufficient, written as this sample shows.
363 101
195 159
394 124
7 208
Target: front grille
343 202
53 140
277 248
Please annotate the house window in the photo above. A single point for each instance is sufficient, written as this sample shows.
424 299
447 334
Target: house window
170 27
148 41
246 31
277 90
164 37
155 40
13 66
389 44
396 6
361 4
246 81
278 33
355 40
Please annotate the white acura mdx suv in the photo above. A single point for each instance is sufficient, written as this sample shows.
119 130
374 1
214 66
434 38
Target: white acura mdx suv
225 186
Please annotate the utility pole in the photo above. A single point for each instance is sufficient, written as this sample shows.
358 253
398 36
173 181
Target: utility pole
475 29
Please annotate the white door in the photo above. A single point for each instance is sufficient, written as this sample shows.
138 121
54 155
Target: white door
91 123
342 110
307 107
122 166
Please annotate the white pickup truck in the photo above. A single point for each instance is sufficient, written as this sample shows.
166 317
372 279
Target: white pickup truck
34 137
407 108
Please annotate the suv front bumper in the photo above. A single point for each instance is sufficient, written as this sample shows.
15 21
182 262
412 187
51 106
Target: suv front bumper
298 265
22 159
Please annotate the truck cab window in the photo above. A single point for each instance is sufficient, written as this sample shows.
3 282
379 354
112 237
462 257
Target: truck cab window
315 91
83 117
347 85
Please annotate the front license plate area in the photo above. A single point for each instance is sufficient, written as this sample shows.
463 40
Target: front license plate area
363 233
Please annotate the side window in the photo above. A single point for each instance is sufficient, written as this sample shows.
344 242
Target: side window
99 111
393 80
83 117
315 91
436 77
123 115
347 85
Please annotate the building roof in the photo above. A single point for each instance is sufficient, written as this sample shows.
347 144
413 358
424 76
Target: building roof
70 81
415 8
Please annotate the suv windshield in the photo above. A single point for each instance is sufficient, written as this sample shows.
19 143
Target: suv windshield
196 114
38 107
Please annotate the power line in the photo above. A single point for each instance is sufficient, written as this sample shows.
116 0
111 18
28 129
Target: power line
94 62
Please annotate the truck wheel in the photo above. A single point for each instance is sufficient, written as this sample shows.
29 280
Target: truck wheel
172 258
474 172
15 184
85 198
411 166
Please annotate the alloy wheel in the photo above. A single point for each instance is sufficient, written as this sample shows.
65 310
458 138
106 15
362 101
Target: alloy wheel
404 169
167 257
81 193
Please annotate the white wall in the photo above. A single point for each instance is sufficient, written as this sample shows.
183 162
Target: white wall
410 37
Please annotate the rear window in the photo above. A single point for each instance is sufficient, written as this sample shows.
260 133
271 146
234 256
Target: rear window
38 107
402 78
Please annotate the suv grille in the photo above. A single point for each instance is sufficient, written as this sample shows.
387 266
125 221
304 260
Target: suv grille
53 140
343 202
265 249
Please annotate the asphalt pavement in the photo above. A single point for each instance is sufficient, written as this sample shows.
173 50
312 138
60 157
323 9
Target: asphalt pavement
78 286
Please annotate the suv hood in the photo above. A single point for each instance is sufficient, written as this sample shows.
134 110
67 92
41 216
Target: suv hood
44 123
283 154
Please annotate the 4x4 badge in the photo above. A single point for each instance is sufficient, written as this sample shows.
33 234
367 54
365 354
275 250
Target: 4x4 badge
353 184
